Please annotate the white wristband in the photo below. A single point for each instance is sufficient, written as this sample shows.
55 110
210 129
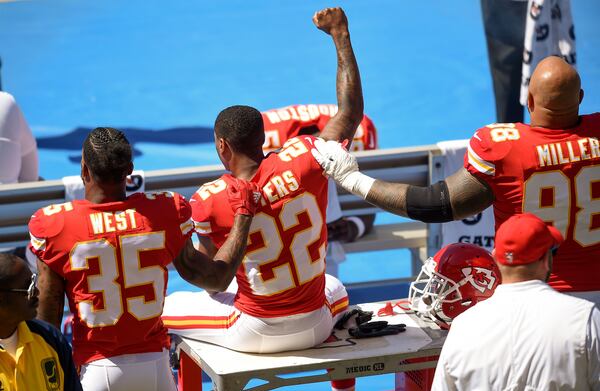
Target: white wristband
360 225
358 183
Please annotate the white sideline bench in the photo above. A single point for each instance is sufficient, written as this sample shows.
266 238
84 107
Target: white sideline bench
345 358
391 236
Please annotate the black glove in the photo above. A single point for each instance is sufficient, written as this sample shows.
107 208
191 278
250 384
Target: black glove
361 317
376 329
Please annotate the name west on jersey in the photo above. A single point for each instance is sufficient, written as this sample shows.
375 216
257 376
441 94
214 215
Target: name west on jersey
106 222
554 154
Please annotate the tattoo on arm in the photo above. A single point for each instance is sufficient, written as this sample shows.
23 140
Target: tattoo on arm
206 246
468 194
389 196
215 274
349 92
52 295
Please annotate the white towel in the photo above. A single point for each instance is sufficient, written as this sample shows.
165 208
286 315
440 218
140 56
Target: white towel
74 189
478 229
549 31
335 251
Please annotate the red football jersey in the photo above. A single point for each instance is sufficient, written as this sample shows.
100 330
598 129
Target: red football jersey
114 259
284 123
283 272
554 174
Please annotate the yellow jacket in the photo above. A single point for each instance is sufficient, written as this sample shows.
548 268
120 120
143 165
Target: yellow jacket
43 361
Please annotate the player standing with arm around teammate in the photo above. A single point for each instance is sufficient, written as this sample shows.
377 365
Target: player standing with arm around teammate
109 254
550 168
283 299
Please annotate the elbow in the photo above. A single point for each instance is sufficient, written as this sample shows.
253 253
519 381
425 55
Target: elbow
222 282
216 285
429 204
221 277
350 118
352 115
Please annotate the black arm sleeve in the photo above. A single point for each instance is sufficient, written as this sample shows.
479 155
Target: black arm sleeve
429 204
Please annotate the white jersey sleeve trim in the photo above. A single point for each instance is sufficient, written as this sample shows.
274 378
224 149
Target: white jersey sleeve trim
186 226
202 228
479 164
37 243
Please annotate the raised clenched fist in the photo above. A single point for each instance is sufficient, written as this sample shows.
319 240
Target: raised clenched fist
330 19
244 196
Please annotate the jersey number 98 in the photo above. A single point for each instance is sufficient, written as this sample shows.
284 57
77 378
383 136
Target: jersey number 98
559 212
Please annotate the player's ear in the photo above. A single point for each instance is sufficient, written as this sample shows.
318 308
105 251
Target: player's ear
220 144
227 150
85 172
530 103
130 168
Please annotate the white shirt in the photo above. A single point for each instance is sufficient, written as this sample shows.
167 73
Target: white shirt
10 344
18 148
526 336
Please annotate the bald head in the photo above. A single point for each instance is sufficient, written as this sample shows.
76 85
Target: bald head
554 94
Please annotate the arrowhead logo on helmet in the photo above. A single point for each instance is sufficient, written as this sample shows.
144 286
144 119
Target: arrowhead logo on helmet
457 277
479 277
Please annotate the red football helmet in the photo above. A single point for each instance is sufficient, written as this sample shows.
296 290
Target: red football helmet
459 276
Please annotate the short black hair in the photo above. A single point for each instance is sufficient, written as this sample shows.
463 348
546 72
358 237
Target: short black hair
242 127
107 153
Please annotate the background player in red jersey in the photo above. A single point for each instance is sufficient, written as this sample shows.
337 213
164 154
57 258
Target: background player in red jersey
550 168
283 299
284 123
109 254
287 122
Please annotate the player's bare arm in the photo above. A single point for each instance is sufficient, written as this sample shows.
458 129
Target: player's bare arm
343 125
459 196
466 196
52 295
206 246
215 274
348 229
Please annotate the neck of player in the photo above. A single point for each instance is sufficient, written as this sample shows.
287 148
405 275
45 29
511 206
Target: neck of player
97 193
245 167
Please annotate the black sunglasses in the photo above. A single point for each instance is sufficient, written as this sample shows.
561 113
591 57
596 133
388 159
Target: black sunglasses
30 290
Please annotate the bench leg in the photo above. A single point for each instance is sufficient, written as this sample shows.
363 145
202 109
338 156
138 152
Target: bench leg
190 374
342 385
417 380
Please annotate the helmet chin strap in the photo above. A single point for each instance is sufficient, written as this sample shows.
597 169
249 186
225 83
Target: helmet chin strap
441 318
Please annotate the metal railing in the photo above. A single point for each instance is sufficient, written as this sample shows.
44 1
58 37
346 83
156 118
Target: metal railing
411 165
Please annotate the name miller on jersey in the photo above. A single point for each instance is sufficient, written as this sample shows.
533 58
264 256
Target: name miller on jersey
554 154
103 222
